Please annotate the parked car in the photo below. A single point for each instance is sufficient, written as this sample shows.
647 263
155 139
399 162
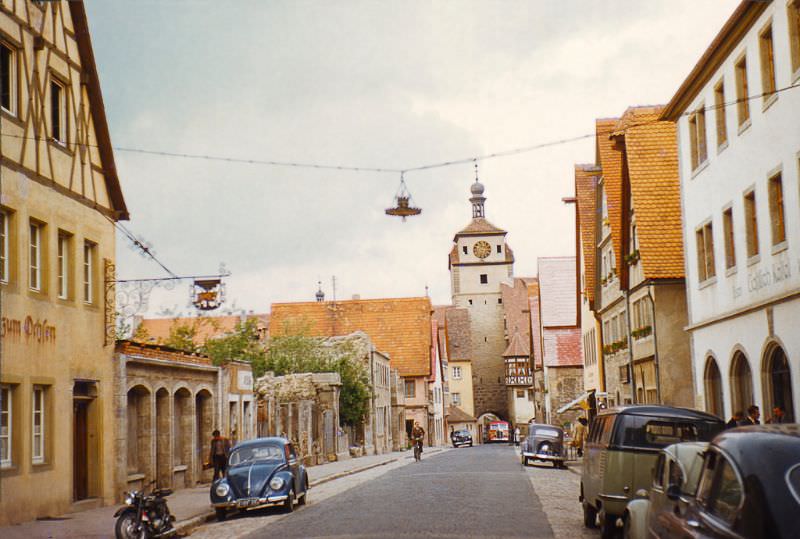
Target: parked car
461 437
675 477
260 473
545 443
749 487
620 452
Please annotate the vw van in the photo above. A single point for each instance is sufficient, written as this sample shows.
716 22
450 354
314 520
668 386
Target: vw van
621 450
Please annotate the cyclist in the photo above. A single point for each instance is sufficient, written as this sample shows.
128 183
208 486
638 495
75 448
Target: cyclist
417 435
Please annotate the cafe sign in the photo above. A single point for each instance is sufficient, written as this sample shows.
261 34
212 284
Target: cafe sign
30 329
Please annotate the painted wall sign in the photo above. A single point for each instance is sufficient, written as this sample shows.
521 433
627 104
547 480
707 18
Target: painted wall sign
32 330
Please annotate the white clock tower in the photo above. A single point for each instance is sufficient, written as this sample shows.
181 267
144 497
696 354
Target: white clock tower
479 263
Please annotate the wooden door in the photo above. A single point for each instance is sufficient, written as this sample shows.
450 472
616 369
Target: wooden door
80 451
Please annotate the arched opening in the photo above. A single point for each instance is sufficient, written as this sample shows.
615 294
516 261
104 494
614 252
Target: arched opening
778 384
182 424
139 429
204 426
713 388
741 383
163 435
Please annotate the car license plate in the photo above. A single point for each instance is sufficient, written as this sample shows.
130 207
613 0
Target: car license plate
246 502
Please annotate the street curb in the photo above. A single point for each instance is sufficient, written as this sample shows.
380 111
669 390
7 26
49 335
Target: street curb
189 523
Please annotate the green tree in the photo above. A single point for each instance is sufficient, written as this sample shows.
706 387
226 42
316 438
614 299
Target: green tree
242 344
183 336
298 353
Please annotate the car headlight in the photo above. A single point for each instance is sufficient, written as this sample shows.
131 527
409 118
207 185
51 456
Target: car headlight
222 490
276 483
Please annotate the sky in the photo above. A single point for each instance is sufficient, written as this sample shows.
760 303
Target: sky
368 84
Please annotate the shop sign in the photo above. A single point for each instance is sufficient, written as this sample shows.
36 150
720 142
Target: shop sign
32 330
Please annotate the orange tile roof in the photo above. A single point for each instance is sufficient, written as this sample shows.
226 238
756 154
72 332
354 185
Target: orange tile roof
586 177
652 159
208 327
400 327
609 158
478 226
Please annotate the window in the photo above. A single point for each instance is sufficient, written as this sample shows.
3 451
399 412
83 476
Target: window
38 425
456 373
727 230
776 209
8 78
484 278
456 399
88 271
751 223
6 418
58 111
719 106
466 251
767 63
411 389
520 393
793 12
697 137
63 266
658 472
742 103
499 249
705 252
35 262
4 241
720 491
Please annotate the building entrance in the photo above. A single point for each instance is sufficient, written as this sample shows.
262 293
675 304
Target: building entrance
80 450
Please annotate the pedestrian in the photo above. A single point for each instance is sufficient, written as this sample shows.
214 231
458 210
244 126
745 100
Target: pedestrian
516 436
218 454
753 414
579 435
736 420
778 416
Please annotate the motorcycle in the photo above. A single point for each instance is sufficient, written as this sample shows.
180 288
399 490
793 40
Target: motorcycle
145 516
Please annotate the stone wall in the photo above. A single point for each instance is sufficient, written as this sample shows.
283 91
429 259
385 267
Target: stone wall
566 383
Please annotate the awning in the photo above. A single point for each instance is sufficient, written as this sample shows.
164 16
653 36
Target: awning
581 402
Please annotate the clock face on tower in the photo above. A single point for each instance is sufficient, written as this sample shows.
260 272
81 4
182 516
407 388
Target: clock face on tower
482 249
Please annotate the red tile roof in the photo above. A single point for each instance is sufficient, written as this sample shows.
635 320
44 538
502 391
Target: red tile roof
586 177
400 327
562 347
609 158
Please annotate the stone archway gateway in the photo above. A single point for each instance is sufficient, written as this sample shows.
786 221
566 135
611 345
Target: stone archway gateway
139 431
713 388
741 383
777 378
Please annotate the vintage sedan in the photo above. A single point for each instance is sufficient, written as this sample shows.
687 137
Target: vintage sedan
261 473
749 486
675 477
545 443
461 437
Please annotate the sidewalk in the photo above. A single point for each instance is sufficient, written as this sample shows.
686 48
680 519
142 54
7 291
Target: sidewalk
190 506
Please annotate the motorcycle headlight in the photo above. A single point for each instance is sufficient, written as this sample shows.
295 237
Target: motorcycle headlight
276 483
222 490
128 498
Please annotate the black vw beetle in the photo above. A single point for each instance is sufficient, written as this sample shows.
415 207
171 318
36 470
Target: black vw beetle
261 473
545 443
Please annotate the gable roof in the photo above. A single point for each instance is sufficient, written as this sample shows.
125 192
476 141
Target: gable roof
84 40
609 158
457 415
651 152
399 327
207 327
586 195
731 34
557 291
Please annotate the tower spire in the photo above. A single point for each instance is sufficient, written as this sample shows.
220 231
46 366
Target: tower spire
477 197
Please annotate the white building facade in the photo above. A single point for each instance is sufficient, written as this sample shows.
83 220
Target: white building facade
738 123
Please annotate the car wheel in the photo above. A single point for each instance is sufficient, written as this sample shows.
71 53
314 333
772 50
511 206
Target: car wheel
608 526
288 505
470 444
304 498
589 516
222 514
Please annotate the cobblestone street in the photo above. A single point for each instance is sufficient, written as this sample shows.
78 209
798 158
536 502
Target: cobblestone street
558 491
